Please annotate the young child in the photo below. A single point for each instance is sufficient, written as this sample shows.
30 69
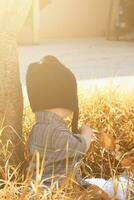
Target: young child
52 92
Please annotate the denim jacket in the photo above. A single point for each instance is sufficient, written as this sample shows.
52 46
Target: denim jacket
61 149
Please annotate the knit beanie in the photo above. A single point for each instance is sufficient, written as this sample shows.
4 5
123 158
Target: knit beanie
52 85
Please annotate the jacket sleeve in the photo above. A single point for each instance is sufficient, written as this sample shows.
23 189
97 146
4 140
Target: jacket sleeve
71 144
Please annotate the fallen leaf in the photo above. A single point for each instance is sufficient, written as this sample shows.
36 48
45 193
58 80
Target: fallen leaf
107 142
128 162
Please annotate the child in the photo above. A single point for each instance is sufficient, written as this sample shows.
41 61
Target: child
52 92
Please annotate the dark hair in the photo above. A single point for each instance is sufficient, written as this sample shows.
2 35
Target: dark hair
51 85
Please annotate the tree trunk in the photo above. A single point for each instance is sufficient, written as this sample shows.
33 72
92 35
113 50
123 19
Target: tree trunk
12 16
113 18
11 101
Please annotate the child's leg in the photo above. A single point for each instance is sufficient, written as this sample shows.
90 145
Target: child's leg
93 192
108 186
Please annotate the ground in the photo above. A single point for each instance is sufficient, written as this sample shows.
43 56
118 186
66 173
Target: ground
88 58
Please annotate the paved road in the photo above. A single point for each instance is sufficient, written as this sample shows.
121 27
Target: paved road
88 58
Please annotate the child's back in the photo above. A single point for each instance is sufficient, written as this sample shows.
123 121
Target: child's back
50 136
52 91
52 86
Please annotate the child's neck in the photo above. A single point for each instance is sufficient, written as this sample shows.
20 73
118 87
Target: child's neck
63 113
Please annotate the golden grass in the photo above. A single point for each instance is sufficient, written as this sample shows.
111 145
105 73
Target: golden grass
109 111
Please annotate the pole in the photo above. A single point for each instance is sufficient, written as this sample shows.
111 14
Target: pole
36 21
108 31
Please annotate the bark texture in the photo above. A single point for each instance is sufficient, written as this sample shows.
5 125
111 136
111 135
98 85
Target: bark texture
12 17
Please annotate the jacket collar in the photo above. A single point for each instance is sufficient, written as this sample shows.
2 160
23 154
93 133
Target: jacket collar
49 117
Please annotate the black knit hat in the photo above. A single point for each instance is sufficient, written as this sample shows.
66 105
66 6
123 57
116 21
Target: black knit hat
52 85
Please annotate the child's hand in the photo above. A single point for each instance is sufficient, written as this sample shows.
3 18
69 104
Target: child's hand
87 133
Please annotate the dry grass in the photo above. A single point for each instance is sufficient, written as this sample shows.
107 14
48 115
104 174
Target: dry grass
108 112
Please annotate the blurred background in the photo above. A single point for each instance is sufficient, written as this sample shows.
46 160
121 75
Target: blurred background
92 37
65 18
77 18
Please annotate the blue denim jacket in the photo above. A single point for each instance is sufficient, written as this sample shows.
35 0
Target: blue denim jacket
62 149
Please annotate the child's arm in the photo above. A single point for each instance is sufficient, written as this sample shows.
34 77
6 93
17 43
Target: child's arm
87 133
73 143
